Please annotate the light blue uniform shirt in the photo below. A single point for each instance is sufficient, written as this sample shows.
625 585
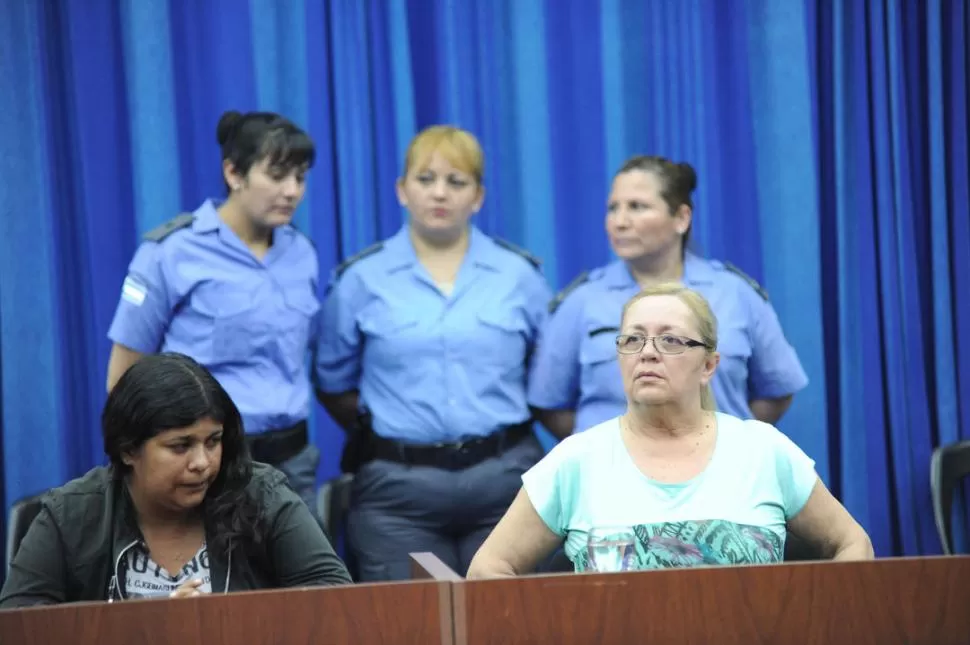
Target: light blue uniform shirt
734 512
432 367
575 365
201 292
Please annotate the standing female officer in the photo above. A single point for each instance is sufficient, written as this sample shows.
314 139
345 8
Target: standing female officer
429 332
575 383
233 285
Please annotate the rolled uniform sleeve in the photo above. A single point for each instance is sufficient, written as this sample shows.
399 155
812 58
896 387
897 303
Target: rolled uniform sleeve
774 368
337 365
555 368
146 305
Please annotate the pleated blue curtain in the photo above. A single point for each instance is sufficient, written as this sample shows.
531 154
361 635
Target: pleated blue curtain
829 137
892 123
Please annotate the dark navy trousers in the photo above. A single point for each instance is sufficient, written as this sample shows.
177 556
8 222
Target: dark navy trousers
398 509
301 471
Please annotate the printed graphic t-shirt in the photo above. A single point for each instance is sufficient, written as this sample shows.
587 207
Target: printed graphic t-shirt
145 578
734 512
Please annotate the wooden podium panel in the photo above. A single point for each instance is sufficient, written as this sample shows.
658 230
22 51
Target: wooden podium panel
916 601
395 614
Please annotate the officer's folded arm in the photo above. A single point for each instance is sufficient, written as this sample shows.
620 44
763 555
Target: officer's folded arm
517 545
181 495
121 359
559 422
770 410
341 406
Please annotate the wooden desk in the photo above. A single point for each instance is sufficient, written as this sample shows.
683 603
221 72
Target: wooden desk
914 601
396 614
885 602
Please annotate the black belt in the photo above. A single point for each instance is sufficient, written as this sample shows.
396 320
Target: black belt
450 456
276 446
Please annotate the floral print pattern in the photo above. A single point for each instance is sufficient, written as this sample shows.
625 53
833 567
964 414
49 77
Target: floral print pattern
698 543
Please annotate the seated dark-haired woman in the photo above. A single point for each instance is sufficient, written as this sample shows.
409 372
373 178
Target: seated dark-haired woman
182 510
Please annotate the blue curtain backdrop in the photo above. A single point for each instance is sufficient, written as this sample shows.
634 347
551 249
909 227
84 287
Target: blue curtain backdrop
830 137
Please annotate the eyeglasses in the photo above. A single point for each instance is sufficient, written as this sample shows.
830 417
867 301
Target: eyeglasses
665 344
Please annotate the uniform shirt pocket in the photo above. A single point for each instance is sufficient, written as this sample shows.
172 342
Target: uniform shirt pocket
233 317
391 335
599 372
598 346
735 349
301 308
501 338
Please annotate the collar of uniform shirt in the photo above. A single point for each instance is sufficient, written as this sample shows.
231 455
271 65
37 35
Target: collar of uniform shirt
207 217
481 250
697 270
207 220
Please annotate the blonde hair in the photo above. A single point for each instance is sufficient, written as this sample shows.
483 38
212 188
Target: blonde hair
703 317
459 147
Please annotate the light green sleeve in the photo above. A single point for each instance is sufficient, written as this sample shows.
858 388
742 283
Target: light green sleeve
796 474
552 485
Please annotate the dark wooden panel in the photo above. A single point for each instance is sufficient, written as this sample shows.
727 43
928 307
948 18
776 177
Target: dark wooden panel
396 614
884 602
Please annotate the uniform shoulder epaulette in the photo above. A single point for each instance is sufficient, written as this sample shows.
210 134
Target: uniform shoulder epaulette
177 223
518 250
751 281
346 264
577 282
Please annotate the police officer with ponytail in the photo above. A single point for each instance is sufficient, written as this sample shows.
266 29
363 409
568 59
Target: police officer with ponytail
234 285
575 382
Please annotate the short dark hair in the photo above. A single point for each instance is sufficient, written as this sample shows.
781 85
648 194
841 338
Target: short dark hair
677 181
167 391
246 139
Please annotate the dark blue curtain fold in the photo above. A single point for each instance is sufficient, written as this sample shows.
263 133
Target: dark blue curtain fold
829 136
894 218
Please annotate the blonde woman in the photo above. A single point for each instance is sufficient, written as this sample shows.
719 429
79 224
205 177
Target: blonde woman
427 334
694 486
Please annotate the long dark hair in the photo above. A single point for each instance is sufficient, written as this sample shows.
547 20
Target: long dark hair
167 391
245 139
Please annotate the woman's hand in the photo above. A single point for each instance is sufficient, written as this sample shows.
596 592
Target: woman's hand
188 589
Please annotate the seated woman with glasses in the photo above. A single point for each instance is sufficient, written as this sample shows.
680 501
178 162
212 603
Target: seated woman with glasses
689 485
181 511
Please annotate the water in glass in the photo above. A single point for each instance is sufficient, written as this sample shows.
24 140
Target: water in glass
611 549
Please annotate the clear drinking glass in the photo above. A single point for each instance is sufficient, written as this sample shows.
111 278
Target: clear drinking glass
611 548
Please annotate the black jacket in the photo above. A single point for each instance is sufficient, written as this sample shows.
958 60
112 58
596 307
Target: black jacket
73 550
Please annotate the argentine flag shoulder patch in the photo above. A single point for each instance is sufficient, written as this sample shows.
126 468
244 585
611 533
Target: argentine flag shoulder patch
134 291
